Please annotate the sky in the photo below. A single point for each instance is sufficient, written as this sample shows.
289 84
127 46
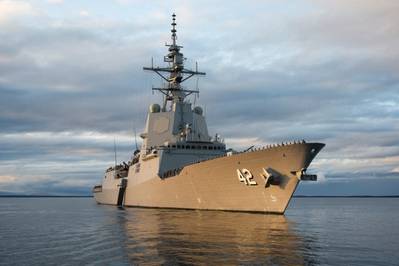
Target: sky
71 81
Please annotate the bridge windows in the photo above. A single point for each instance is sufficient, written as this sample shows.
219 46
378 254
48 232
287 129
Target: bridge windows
194 147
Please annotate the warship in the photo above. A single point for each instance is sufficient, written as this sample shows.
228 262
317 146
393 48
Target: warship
180 165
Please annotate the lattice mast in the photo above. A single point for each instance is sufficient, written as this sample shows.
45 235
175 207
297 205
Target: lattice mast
173 91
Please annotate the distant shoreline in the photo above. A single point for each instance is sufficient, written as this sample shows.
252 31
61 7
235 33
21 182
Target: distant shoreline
90 196
360 196
43 196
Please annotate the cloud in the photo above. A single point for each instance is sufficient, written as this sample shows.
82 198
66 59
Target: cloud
55 2
84 13
72 79
7 179
321 177
13 10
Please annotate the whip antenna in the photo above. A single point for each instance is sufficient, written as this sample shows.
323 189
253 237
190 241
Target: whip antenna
135 138
115 156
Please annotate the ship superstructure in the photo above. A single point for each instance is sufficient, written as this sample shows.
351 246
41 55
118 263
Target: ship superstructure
180 165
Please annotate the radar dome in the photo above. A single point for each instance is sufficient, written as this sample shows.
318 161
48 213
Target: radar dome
198 110
155 108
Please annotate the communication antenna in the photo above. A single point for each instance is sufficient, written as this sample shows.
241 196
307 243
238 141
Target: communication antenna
115 156
196 95
175 73
135 138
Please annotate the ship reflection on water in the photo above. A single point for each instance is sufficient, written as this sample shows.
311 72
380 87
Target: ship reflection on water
315 231
160 236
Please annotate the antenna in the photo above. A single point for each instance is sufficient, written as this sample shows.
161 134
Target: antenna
174 37
175 73
115 157
196 95
135 138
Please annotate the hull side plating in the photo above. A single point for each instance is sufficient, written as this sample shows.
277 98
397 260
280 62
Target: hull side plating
215 185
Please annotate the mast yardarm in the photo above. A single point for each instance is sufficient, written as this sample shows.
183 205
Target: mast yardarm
173 90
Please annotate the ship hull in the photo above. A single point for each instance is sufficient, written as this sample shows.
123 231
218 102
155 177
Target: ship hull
216 184
107 196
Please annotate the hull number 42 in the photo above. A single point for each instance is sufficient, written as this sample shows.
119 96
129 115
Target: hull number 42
245 176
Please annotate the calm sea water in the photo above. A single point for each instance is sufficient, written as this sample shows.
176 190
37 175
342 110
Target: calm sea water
314 231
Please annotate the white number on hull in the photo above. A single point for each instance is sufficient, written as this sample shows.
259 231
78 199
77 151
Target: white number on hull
245 176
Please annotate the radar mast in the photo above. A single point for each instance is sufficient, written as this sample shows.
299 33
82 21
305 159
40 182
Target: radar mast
175 73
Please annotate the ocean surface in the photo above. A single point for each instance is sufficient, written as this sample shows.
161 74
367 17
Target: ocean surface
314 231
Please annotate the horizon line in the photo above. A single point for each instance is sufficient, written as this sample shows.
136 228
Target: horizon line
294 196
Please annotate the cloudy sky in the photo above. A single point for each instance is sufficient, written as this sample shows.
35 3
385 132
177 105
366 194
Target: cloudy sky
71 81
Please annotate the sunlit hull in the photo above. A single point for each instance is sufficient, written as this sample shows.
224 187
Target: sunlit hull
215 184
